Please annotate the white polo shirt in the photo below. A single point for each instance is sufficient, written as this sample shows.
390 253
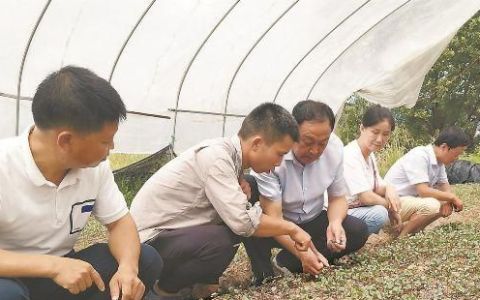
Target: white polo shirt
38 217
301 188
419 165
360 175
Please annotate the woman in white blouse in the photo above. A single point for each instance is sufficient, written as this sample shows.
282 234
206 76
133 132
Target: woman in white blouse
370 199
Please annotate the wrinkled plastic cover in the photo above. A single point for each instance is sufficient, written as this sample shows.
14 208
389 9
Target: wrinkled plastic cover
207 63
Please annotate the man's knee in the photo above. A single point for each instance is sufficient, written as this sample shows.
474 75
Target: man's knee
357 232
150 265
429 207
11 289
380 213
223 244
376 218
218 249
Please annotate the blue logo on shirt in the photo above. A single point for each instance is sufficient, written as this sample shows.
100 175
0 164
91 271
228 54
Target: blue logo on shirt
87 208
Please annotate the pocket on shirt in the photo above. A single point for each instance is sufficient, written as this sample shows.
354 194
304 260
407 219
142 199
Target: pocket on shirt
79 214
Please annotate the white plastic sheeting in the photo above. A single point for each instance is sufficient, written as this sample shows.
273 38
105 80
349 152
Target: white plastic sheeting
206 63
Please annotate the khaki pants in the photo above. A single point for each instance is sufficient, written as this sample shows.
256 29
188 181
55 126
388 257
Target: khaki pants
418 205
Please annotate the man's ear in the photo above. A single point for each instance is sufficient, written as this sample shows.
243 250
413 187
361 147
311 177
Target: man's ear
64 140
257 141
444 146
361 127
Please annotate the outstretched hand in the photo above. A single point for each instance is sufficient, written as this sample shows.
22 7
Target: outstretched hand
312 260
336 237
127 282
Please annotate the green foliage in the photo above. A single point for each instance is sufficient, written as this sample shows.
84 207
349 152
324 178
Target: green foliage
473 156
442 263
120 160
347 127
450 94
128 186
130 182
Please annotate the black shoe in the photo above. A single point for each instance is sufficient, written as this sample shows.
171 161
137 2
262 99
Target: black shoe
260 280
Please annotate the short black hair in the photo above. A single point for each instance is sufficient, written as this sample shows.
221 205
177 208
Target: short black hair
270 120
77 98
452 136
309 110
376 114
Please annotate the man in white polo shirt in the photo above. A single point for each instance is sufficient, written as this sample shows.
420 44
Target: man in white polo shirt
295 191
52 178
421 180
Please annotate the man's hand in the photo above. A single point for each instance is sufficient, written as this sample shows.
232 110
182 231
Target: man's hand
76 275
247 190
336 238
446 209
393 200
395 221
303 241
312 261
126 280
457 203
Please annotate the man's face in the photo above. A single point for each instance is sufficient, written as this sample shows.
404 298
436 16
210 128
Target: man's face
449 155
88 150
314 137
265 157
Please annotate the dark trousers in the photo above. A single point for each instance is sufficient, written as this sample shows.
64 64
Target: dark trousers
197 254
100 257
259 249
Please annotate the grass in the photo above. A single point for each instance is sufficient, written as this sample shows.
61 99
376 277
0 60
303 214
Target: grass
472 157
120 160
441 263
131 180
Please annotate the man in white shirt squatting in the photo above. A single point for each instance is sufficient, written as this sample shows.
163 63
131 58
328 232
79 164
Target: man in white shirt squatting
52 178
421 180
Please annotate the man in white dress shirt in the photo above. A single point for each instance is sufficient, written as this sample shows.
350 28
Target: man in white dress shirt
421 180
295 191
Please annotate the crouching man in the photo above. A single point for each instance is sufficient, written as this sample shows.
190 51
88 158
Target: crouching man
193 210
421 180
52 178
295 190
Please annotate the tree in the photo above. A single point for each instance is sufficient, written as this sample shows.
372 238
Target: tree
450 94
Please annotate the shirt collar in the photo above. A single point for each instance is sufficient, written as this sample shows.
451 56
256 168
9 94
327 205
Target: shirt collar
431 154
34 173
359 152
291 157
